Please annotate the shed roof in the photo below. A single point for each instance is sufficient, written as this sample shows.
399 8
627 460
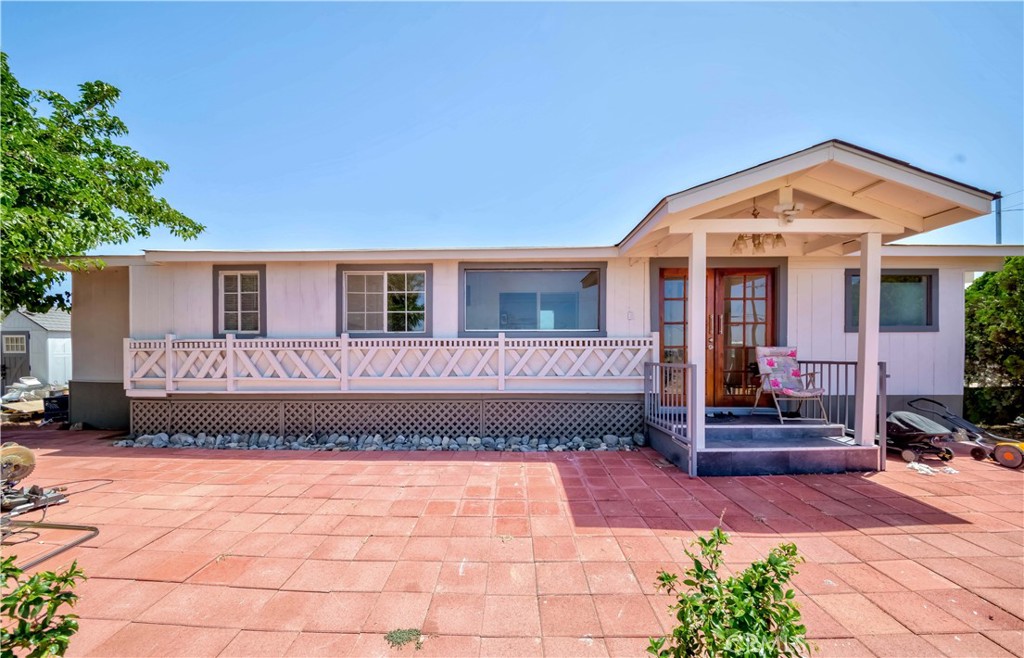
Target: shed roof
52 320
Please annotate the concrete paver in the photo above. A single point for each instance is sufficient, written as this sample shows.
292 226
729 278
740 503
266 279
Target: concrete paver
206 553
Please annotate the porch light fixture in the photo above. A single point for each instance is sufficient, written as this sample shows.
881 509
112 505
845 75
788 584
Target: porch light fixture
739 245
760 242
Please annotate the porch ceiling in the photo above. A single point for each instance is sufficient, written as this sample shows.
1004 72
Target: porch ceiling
824 196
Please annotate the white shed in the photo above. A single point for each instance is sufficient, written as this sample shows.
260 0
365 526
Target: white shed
37 345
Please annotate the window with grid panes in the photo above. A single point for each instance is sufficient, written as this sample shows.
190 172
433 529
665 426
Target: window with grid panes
240 293
15 344
385 302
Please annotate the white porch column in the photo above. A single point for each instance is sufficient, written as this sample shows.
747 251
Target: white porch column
867 337
696 332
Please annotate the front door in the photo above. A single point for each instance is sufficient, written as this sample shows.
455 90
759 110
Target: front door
740 317
13 356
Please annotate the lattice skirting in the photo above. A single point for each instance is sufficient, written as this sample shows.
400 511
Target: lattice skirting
496 418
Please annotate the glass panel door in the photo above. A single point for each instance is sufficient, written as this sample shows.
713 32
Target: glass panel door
740 317
744 321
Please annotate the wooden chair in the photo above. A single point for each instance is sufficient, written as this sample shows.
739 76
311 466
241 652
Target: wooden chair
781 377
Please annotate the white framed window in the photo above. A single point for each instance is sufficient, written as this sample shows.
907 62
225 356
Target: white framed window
386 302
240 311
15 345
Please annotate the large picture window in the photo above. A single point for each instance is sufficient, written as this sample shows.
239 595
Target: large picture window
533 300
909 300
386 302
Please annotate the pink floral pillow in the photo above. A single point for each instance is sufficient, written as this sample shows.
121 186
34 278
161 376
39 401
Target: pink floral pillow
779 369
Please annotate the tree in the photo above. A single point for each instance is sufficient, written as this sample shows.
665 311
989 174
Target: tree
68 187
994 330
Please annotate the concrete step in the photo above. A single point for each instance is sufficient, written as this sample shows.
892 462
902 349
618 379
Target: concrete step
801 430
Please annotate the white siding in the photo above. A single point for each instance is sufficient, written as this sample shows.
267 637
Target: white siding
175 299
444 304
627 315
301 300
917 362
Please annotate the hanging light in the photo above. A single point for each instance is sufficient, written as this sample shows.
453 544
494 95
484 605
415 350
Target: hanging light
739 245
758 241
778 241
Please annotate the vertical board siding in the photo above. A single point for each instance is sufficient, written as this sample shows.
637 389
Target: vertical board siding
917 362
174 298
301 300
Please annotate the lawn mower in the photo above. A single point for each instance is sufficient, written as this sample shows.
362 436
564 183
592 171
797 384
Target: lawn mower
915 435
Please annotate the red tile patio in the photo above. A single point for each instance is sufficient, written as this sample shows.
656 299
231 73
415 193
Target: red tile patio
216 553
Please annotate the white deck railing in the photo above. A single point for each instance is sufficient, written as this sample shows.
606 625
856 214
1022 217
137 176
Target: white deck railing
262 365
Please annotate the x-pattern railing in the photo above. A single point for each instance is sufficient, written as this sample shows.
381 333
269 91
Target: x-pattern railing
233 364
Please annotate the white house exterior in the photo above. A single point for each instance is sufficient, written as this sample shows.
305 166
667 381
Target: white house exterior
37 345
536 340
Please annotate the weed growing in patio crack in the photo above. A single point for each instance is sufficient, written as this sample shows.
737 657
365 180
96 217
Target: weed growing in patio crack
400 637
749 614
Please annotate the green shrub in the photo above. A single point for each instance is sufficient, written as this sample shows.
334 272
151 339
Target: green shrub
30 606
400 637
751 614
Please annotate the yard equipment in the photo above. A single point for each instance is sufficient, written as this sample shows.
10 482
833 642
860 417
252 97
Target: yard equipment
985 444
914 436
16 463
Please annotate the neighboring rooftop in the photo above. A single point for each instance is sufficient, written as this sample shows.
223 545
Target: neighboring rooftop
52 320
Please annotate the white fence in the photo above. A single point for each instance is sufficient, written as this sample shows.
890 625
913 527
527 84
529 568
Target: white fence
263 365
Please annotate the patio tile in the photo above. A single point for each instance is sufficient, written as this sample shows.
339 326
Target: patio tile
140 639
841 648
569 615
963 573
92 633
574 647
967 645
511 616
611 578
455 614
554 549
917 613
259 643
1012 641
603 549
397 610
561 578
462 577
207 606
626 615
902 645
519 578
862 577
381 548
413 577
317 576
158 565
102 598
328 645
974 611
449 647
912 575
221 571
859 614
1009 600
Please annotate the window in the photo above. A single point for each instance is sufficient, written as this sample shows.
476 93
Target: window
386 302
240 300
909 300
15 344
555 300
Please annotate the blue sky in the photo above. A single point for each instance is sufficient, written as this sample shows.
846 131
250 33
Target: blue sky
420 125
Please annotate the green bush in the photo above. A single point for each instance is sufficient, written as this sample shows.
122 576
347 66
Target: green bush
751 614
993 405
30 607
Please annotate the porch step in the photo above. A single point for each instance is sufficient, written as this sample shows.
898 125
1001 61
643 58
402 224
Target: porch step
737 434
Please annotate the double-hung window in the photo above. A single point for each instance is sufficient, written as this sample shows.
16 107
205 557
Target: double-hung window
909 300
385 302
240 301
557 300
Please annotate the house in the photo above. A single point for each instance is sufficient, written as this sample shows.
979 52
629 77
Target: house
37 345
557 341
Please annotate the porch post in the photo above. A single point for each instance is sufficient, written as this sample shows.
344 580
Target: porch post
696 334
867 338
